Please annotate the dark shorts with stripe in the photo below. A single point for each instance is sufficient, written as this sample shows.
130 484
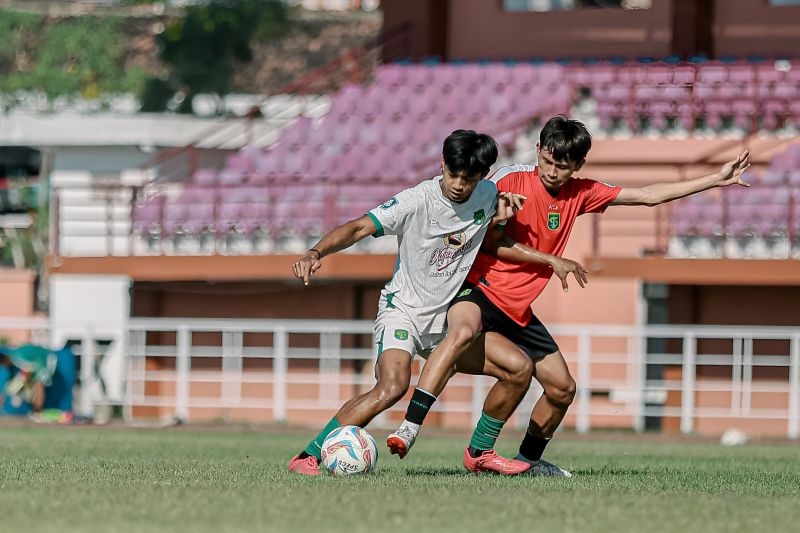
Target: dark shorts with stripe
533 339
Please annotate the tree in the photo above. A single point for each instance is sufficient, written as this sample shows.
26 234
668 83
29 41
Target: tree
204 46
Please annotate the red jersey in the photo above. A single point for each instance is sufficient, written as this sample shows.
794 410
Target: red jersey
544 223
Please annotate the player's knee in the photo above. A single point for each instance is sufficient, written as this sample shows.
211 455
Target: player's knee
521 372
390 391
461 337
562 394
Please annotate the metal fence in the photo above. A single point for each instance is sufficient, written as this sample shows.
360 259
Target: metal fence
691 378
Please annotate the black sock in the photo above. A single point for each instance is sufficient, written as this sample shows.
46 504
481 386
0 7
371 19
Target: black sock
474 452
303 455
532 447
419 406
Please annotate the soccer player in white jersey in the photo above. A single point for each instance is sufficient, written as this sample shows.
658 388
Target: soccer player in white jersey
439 225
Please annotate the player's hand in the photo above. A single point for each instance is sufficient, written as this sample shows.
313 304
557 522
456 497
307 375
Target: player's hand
508 204
562 267
307 266
731 172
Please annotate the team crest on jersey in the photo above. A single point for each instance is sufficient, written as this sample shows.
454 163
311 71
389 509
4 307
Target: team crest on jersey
479 216
553 221
401 334
455 240
389 203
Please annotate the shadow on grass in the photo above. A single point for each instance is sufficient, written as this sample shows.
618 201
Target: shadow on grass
606 471
437 471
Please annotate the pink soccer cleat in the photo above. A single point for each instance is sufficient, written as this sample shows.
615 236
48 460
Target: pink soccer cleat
307 467
489 461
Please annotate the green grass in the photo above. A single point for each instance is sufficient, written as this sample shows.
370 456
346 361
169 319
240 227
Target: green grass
87 479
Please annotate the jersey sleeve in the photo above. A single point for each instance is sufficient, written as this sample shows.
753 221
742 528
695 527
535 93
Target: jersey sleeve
597 195
506 178
394 216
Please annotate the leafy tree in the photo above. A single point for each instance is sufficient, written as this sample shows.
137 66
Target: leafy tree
83 56
204 46
80 56
15 27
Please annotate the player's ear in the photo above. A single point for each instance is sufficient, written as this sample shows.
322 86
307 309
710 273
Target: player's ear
441 165
579 164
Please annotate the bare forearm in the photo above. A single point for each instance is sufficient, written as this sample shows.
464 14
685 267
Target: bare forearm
660 193
509 250
339 239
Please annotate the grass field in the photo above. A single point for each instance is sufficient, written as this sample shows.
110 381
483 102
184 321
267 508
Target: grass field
88 479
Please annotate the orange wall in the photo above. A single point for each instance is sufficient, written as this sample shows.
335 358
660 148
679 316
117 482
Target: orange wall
16 299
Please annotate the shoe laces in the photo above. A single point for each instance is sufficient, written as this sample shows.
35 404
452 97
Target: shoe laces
406 434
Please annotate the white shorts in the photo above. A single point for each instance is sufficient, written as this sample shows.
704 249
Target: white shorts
393 329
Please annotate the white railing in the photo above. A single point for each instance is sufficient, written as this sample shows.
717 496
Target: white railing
702 378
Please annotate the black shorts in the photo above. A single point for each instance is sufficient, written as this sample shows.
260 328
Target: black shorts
533 339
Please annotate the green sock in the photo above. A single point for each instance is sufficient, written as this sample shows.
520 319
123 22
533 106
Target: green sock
314 447
486 432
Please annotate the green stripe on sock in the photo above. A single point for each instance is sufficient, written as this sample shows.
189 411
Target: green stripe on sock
486 432
314 447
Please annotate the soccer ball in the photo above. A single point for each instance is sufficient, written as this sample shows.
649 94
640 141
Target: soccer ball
348 451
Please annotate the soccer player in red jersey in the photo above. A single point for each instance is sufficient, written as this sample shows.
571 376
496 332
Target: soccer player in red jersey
504 282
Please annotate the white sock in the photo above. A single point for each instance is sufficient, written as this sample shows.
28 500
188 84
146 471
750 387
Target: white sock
410 427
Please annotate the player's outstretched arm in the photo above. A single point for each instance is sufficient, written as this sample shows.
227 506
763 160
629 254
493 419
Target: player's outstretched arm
338 239
498 244
658 193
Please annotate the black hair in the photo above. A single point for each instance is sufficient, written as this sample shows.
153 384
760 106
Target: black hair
567 140
468 152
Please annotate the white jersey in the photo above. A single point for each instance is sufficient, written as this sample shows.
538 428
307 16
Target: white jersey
438 240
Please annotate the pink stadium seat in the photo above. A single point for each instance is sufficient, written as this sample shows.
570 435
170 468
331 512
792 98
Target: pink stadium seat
205 176
766 73
683 75
398 104
174 217
498 75
390 76
147 217
551 74
741 74
744 112
784 91
296 132
712 74
524 76
418 77
471 75
445 76
658 75
675 94
231 176
199 217
253 217
703 92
